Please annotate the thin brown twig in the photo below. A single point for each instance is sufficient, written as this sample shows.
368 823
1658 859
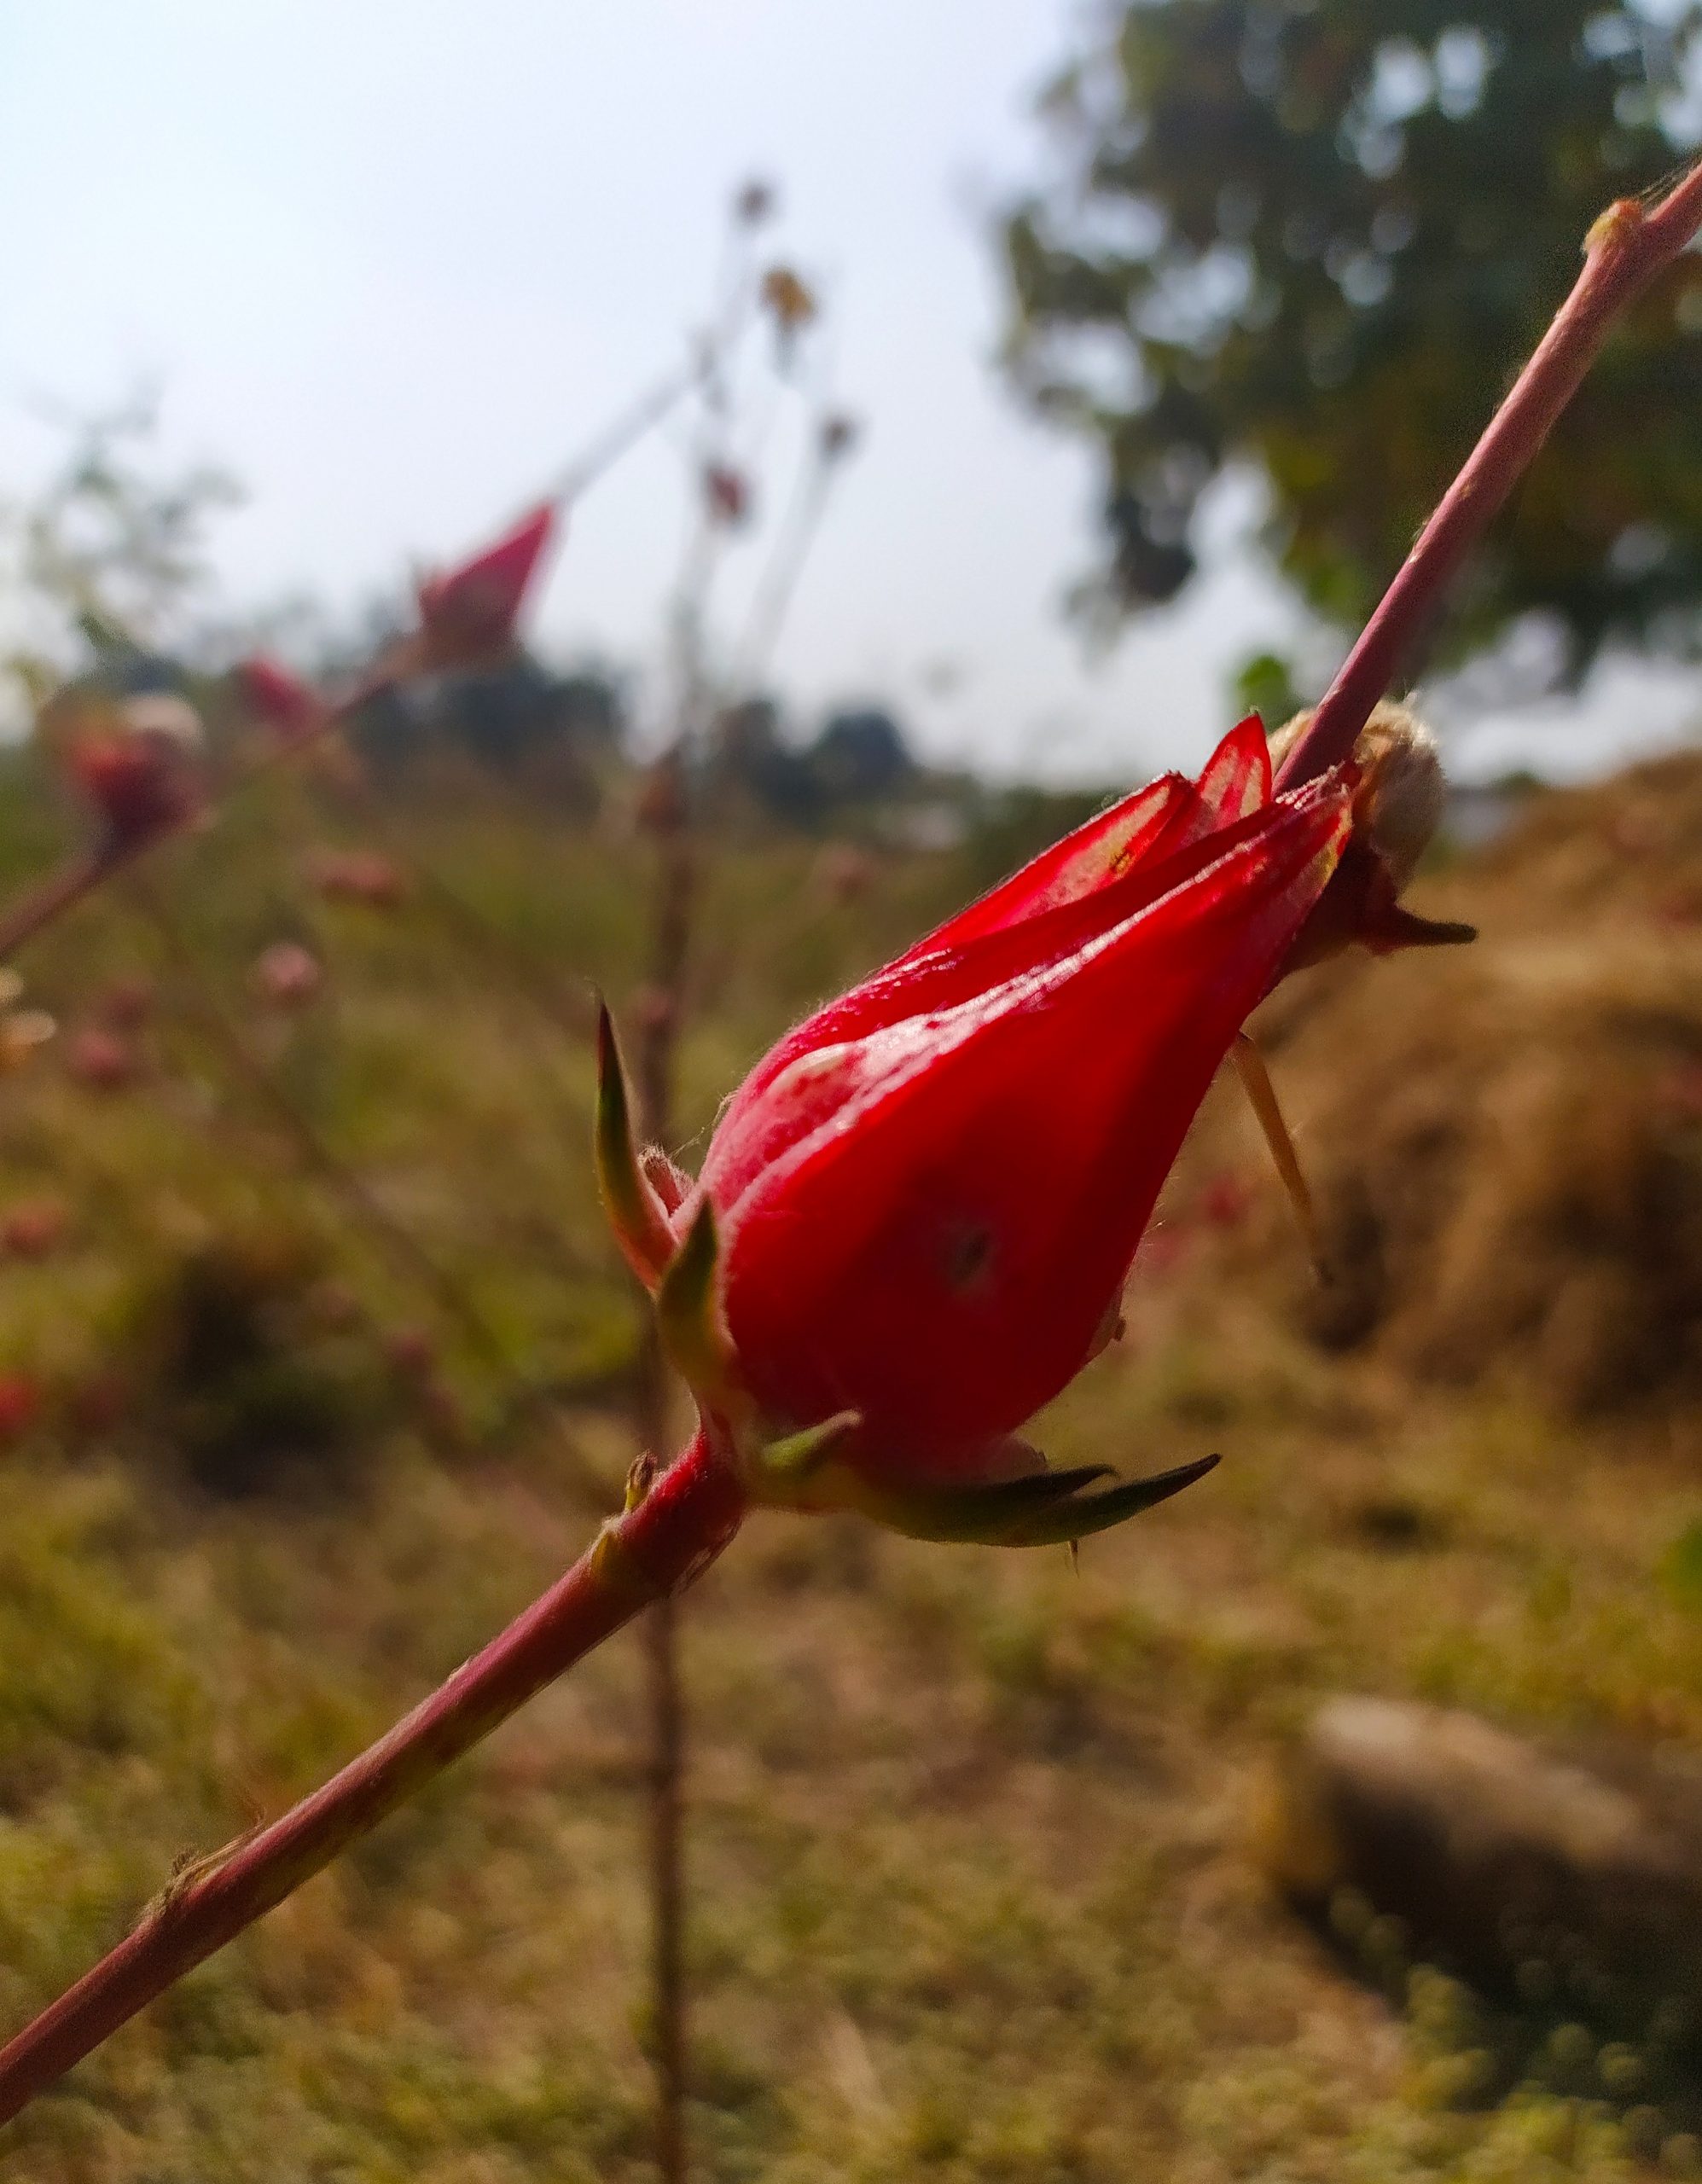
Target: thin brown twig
1624 251
625 432
78 875
779 581
654 1069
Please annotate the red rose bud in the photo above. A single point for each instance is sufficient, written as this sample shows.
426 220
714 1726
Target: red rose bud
917 1215
281 700
468 615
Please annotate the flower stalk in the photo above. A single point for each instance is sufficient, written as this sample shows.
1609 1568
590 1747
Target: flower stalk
1624 252
687 1517
676 889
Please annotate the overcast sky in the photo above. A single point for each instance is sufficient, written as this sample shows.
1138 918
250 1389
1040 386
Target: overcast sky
392 261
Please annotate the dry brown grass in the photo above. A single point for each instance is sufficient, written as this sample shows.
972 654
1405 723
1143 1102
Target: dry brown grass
1506 1144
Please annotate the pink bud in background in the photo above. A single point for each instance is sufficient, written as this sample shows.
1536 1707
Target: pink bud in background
726 494
281 700
20 1404
33 1228
357 876
139 770
127 1002
411 1352
101 1059
286 974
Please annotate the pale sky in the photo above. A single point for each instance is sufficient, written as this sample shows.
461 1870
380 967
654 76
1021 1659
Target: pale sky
393 261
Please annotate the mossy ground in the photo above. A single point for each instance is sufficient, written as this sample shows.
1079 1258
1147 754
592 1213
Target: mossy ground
973 1886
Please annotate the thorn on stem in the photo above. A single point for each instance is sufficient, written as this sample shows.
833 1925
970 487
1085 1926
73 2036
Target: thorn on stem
639 1480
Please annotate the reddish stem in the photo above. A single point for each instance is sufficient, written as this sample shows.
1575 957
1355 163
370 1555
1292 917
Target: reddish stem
81 872
689 1515
1624 251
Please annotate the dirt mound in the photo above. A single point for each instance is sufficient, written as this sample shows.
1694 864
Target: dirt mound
1505 1143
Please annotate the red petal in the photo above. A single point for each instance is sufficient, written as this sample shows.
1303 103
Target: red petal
1102 851
1236 778
1154 821
765 1117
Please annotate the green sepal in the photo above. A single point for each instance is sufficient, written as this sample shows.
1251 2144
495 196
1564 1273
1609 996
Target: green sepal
1041 1509
1098 1513
794 1456
635 1212
689 1312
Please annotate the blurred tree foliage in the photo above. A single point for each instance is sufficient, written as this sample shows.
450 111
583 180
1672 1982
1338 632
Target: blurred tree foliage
858 758
562 732
107 561
1316 236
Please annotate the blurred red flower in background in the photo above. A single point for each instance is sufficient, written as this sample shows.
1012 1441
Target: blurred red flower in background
127 1000
468 613
286 974
101 1059
20 1404
137 766
357 876
288 705
34 1228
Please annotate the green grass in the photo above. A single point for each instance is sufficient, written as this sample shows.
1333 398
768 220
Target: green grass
973 1894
